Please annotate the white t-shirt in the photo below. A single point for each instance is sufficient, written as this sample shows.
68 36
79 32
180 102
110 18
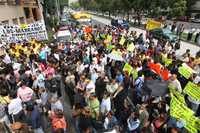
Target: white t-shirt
197 80
177 85
15 106
90 87
105 105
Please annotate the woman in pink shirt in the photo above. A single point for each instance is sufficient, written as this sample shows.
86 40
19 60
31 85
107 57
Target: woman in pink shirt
24 92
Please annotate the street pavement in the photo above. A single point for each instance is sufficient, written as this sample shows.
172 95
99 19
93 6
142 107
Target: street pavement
184 45
187 25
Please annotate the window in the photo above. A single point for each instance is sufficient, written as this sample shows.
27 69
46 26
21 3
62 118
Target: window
15 21
3 2
11 2
26 12
34 10
5 22
21 19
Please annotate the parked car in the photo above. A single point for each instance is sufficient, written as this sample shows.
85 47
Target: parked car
120 23
196 19
63 35
182 18
163 33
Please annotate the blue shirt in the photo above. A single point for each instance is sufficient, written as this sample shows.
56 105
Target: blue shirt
42 55
119 78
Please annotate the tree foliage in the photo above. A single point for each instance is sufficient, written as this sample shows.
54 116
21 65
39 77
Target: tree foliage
75 5
178 8
154 7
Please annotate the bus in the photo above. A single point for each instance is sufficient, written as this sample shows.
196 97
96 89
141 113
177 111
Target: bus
82 18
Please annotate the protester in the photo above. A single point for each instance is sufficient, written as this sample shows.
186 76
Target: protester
116 81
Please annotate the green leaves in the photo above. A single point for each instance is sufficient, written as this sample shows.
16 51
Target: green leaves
179 8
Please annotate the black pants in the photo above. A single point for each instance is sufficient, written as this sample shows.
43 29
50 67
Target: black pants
20 117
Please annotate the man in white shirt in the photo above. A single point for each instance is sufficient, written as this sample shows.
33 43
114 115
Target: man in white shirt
15 108
105 104
112 87
174 81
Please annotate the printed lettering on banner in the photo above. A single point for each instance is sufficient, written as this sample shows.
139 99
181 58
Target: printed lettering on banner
18 33
185 71
122 41
192 90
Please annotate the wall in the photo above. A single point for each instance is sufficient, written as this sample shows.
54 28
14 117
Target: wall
11 12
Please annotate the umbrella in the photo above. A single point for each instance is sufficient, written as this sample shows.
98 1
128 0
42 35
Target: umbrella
115 55
156 87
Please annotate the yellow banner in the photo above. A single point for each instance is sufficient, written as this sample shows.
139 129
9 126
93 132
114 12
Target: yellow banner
179 110
185 71
135 74
151 24
110 47
122 40
192 90
131 47
128 68
23 26
166 61
175 93
109 38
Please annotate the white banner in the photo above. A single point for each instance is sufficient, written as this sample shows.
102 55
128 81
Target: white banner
24 32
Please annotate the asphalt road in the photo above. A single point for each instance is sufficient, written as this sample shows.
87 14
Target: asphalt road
184 45
46 124
187 25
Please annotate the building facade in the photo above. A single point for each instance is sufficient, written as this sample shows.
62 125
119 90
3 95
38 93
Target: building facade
196 7
19 11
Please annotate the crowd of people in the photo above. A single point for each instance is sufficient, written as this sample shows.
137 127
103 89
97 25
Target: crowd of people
106 75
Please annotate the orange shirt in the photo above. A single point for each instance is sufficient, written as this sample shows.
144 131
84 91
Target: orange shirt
165 74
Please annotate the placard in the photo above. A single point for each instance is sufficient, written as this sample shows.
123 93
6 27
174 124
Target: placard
128 68
192 90
122 40
185 71
24 32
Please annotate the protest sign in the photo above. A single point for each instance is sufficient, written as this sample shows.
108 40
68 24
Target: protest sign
175 93
185 71
17 33
151 24
122 40
192 90
131 47
179 110
128 68
109 38
135 74
110 47
197 123
103 36
166 60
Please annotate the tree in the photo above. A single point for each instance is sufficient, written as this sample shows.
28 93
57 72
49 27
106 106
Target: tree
178 8
75 5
